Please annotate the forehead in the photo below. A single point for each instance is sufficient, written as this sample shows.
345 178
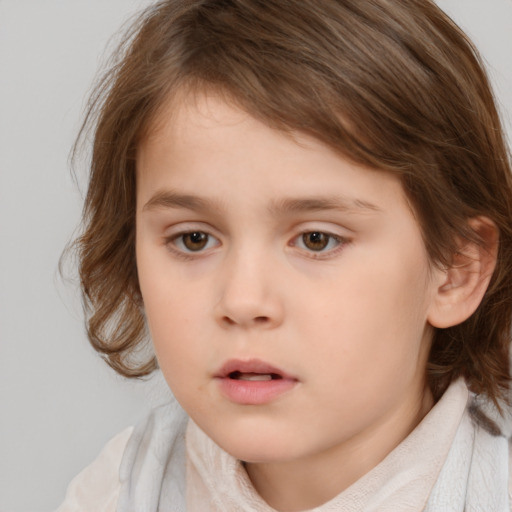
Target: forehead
202 142
194 114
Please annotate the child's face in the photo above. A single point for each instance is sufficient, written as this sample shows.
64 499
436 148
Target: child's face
259 254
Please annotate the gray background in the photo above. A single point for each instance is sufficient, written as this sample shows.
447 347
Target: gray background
59 402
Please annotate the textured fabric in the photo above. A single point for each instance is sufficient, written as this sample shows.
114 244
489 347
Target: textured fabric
152 472
97 487
446 447
449 463
476 473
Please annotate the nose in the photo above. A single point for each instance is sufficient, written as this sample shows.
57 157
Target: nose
249 294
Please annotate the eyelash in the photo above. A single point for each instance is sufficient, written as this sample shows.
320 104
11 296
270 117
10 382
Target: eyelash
176 243
334 243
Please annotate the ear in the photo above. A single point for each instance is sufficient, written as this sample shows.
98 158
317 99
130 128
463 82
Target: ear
462 286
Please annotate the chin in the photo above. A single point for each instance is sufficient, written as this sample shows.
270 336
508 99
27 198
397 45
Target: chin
257 453
260 447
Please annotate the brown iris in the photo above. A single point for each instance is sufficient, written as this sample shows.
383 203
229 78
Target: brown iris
315 240
195 241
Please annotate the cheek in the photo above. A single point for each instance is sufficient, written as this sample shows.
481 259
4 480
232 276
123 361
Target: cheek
373 318
173 319
169 310
177 339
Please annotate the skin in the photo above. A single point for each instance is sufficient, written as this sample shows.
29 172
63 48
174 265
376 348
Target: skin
350 322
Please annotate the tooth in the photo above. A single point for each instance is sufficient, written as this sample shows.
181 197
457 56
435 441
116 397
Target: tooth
255 376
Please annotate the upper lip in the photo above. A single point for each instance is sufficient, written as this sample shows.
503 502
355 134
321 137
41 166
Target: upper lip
251 366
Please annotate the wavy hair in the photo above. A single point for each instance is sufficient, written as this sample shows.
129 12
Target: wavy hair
394 85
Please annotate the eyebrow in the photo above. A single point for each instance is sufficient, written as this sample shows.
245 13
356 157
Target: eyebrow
170 199
312 204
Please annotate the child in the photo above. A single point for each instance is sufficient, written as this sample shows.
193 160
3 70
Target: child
308 207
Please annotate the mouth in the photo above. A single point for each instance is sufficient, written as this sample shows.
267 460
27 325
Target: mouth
251 370
254 377
253 382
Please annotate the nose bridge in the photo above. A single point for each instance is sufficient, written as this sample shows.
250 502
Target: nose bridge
248 293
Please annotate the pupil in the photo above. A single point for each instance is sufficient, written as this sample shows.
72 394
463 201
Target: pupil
195 241
315 240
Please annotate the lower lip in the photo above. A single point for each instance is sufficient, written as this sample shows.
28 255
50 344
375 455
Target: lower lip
254 392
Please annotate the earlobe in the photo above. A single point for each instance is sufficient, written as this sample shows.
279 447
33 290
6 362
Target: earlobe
462 286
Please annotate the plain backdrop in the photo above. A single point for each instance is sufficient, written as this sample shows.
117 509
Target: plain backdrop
59 403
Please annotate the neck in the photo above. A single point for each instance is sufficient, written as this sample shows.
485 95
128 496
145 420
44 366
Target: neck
295 485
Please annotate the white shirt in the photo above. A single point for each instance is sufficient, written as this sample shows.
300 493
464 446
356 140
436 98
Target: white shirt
217 482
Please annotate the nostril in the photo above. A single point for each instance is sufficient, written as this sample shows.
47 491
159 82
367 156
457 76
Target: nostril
228 321
257 320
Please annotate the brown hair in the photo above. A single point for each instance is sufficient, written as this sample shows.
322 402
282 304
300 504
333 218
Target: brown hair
392 84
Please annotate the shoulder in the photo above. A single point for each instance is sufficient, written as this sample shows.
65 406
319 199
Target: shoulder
497 425
152 471
510 472
97 486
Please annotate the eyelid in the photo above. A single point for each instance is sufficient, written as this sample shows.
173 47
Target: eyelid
181 229
337 239
341 242
173 235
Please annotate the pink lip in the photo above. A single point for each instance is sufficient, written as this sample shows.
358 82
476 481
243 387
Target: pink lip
253 392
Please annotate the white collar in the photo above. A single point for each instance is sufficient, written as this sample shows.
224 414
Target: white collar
402 482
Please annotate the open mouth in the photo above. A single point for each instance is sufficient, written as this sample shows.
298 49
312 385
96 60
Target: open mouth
251 370
253 381
255 377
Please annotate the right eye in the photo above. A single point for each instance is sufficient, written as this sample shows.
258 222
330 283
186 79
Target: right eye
193 241
318 242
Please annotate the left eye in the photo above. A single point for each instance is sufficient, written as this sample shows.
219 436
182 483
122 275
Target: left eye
318 241
194 241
